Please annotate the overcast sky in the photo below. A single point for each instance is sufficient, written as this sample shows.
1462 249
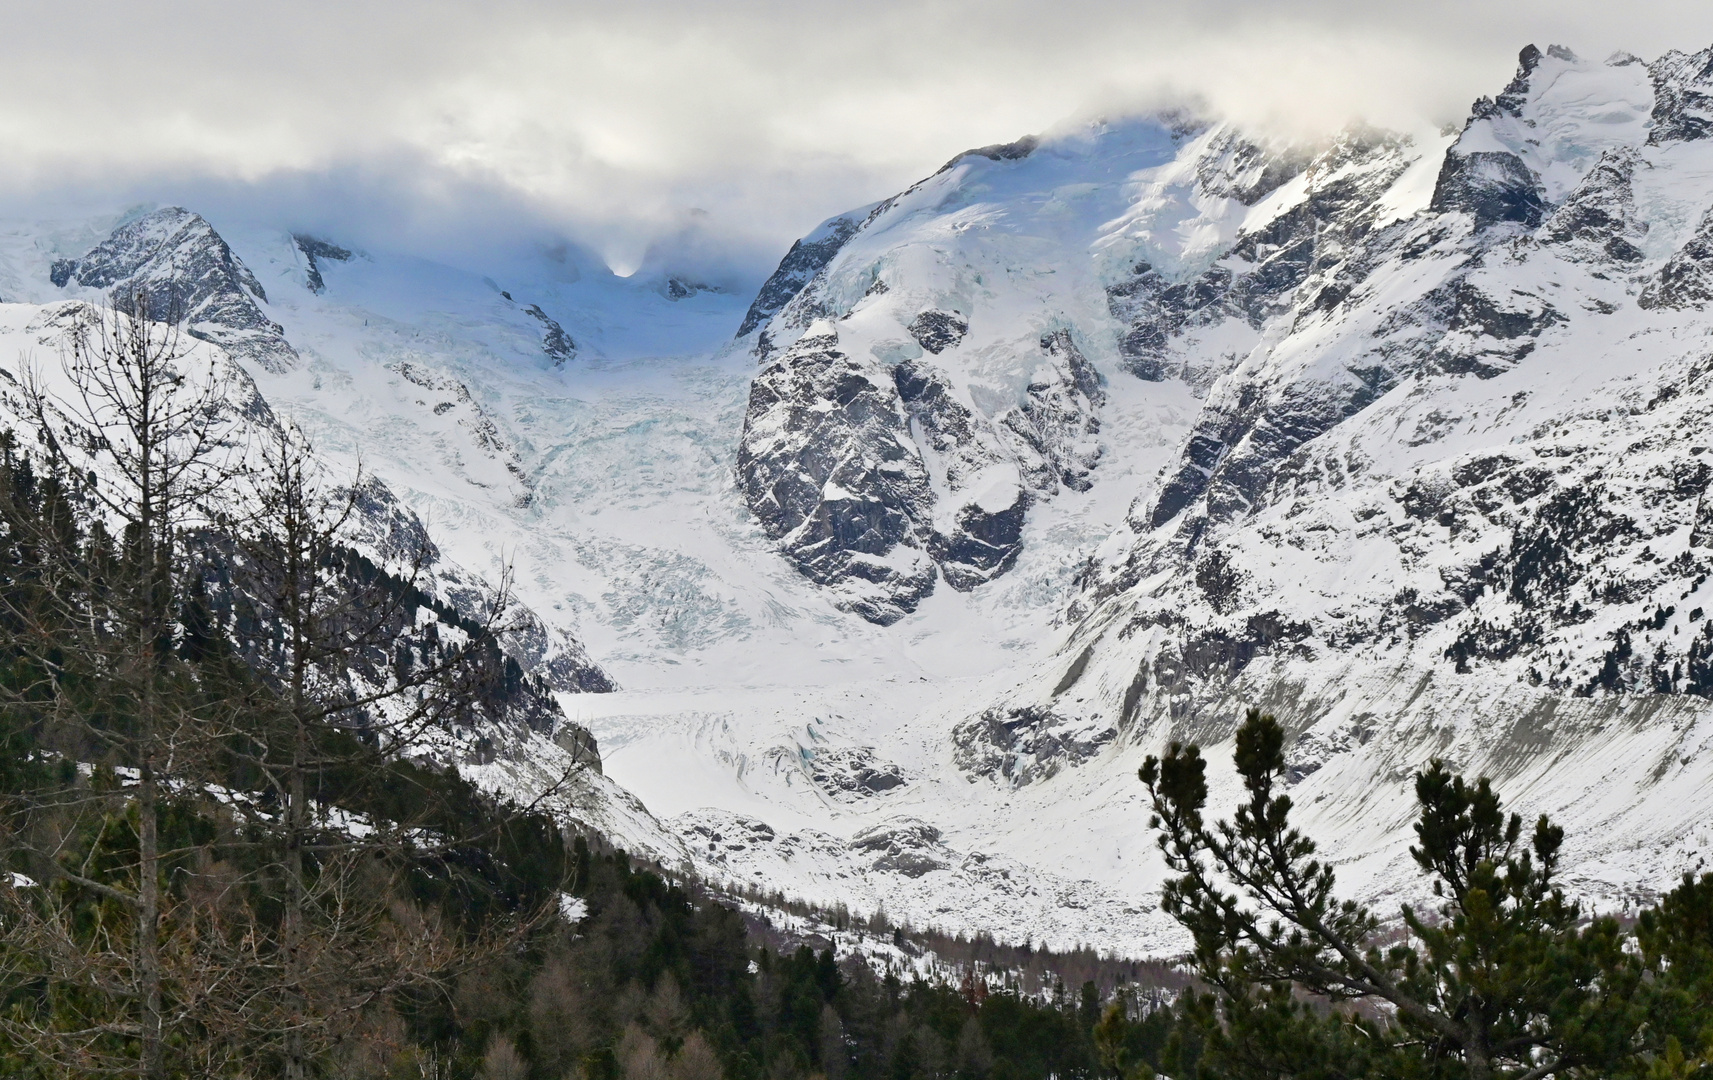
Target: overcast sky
440 126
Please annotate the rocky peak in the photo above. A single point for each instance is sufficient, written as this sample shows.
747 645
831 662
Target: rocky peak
800 265
1462 318
1516 92
174 262
1683 96
1479 425
1521 153
1016 150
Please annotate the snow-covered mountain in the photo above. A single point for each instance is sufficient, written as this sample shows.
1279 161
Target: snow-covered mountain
1443 494
1080 445
957 330
1450 503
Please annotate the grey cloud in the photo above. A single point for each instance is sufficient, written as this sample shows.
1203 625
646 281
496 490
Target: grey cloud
454 127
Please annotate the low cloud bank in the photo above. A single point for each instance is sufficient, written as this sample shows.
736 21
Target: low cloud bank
668 133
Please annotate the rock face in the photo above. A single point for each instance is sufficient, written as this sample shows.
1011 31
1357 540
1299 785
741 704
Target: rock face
1686 279
178 266
555 342
1599 221
1459 313
314 253
842 456
826 465
977 318
1330 205
806 259
1683 97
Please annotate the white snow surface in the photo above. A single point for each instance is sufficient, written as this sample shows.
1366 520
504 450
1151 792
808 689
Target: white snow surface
736 673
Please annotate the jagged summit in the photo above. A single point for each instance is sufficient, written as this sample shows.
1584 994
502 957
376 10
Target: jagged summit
180 267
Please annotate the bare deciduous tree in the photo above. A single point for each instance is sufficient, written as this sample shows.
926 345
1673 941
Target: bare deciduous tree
143 438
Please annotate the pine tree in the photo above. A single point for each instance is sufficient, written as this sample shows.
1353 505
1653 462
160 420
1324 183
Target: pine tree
1507 978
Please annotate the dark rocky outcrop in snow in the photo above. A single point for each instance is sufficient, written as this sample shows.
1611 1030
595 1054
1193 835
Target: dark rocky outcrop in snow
834 462
1493 186
1599 219
853 773
314 251
1686 279
827 465
903 845
1015 150
555 342
1683 96
1058 417
938 331
1020 746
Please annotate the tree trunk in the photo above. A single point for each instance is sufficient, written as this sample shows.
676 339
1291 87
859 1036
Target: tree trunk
151 1065
296 1063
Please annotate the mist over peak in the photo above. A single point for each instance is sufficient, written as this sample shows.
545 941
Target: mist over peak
458 132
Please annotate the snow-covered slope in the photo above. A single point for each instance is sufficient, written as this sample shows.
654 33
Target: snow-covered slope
171 261
1450 504
938 371
1444 494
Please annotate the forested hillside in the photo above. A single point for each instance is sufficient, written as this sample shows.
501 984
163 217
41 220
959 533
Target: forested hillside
233 847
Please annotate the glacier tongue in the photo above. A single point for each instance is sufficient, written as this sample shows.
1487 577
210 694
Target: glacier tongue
624 526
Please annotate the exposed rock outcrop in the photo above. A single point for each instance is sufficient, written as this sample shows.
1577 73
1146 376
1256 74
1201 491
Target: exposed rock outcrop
827 465
314 253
